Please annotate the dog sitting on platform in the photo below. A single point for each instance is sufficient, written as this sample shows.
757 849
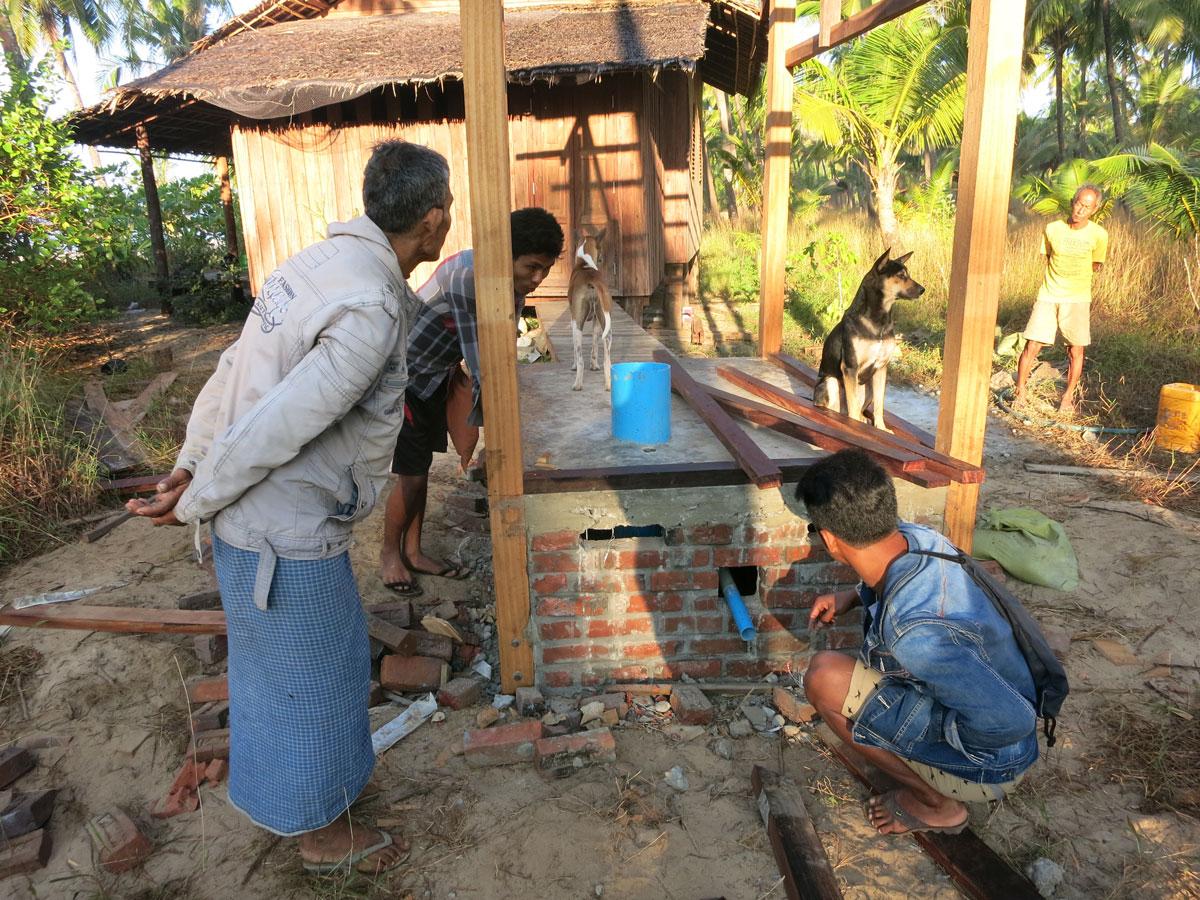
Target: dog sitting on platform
860 346
590 299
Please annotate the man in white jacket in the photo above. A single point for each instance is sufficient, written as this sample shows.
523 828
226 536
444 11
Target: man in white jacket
288 445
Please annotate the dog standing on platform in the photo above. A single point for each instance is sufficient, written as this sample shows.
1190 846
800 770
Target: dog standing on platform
590 298
863 343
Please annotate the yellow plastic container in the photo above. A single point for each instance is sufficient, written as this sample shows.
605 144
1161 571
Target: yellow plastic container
1179 418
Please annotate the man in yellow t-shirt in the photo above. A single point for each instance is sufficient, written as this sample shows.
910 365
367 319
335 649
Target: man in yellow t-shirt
1074 250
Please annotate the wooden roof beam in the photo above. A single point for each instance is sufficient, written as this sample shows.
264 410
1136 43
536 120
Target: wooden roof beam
848 29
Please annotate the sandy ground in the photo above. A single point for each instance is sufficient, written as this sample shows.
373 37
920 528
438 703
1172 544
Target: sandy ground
616 831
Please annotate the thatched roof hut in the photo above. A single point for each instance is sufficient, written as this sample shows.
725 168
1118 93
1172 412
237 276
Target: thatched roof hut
603 104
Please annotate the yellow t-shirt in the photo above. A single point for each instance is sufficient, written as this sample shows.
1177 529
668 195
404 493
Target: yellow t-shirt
1069 254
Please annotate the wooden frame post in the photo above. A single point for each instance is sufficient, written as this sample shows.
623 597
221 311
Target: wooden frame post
486 87
777 143
831 14
995 43
154 214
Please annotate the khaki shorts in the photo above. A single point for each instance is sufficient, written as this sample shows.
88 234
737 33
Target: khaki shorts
862 684
1047 318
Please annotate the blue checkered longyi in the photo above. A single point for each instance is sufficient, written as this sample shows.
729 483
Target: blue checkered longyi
299 681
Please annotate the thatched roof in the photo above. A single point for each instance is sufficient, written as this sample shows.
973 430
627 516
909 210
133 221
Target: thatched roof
259 67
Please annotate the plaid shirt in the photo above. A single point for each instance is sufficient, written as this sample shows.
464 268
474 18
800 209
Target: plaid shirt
446 331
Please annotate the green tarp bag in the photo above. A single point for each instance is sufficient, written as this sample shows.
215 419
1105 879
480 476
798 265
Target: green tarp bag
1028 546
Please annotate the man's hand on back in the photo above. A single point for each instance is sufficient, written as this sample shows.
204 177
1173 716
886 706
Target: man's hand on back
161 510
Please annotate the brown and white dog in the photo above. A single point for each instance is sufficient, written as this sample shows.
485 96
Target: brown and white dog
861 345
589 298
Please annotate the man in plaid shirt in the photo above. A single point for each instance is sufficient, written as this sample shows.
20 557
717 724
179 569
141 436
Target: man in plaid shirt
444 334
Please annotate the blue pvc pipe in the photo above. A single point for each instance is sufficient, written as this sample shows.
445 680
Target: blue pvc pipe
641 402
741 618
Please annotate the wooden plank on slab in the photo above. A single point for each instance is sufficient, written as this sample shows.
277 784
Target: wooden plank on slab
118 422
829 437
995 53
761 471
954 469
847 29
976 868
653 477
120 619
485 86
807 874
808 375
138 484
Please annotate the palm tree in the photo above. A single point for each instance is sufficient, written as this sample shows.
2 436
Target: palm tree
166 29
1055 25
899 89
57 22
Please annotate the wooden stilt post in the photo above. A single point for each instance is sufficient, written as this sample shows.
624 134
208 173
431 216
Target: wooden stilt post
231 238
154 214
995 44
776 178
486 88
831 14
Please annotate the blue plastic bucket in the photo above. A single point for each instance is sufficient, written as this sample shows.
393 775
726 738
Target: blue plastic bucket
641 402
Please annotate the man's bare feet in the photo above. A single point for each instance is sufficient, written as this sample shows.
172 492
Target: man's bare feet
338 842
395 574
1066 406
887 813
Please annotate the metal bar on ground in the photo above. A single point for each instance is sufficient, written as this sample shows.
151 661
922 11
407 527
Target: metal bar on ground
485 85
807 874
808 375
995 53
954 469
976 868
762 472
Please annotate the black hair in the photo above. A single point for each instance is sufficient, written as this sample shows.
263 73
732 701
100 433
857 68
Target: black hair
536 231
401 183
850 495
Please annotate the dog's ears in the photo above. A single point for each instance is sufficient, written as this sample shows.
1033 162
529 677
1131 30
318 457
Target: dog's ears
901 260
882 261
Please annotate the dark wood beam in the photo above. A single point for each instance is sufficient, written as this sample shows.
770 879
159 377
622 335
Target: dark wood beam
764 473
653 477
799 854
976 868
848 29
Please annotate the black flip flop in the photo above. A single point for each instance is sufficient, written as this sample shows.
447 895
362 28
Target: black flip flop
404 588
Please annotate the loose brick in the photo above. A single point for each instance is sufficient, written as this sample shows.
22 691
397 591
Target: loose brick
683 580
530 702
211 716
205 690
27 853
119 842
554 540
189 776
503 745
398 612
555 562
570 752
210 649
208 745
464 655
603 628
175 804
559 631
690 705
216 771
550 584
792 707
14 762
462 692
412 673
711 534
375 695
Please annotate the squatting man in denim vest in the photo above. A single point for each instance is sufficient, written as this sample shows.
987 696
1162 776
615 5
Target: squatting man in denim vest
940 696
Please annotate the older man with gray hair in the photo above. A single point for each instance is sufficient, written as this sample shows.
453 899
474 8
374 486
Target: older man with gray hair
1074 250
287 447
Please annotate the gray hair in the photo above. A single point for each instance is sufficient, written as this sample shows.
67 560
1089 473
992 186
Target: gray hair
402 182
1085 188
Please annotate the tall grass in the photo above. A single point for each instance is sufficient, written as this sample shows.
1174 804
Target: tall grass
1145 317
46 475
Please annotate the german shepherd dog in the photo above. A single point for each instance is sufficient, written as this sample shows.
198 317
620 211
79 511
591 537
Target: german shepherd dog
862 344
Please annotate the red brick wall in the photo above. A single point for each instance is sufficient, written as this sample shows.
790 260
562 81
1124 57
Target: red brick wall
649 609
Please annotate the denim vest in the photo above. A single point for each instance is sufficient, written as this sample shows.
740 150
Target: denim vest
956 692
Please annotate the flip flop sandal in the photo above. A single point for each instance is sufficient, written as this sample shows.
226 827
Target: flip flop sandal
404 588
453 571
891 802
349 864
